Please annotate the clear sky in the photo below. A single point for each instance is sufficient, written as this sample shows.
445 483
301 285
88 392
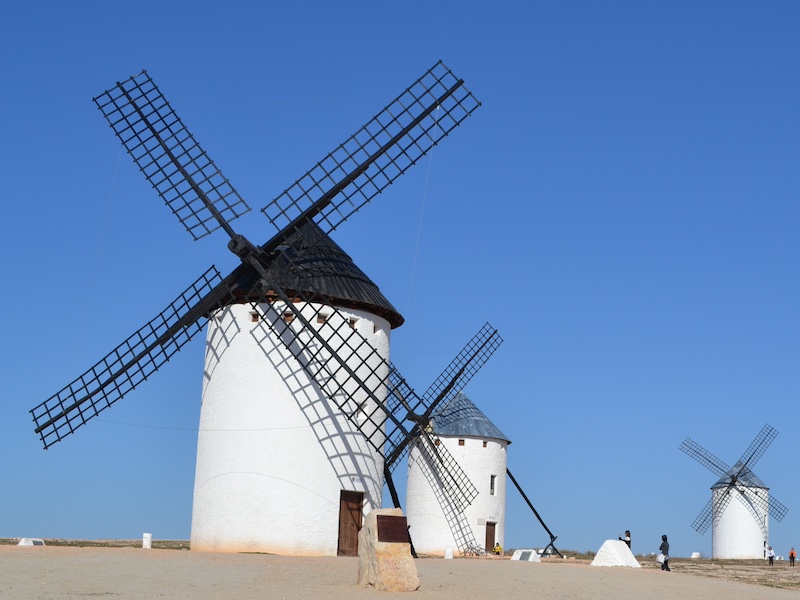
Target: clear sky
623 208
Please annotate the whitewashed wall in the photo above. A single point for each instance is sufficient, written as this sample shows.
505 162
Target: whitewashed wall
429 529
737 534
273 454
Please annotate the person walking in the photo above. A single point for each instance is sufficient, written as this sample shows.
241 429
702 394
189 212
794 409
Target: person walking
771 556
792 556
665 551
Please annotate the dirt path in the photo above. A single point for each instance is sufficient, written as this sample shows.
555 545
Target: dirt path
50 573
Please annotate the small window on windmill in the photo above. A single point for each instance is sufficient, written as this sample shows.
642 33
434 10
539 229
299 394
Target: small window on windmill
485 443
461 442
322 318
253 316
352 321
438 441
492 480
288 316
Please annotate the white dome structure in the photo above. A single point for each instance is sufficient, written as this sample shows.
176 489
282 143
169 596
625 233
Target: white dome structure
479 448
280 469
740 528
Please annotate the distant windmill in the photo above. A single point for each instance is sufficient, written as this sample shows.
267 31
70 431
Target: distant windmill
435 466
480 449
740 528
477 445
295 413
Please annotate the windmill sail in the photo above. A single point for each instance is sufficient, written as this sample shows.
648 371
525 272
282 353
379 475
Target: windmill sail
378 153
204 200
757 447
169 157
449 382
130 363
704 457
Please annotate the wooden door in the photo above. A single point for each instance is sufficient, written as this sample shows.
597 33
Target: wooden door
490 536
350 511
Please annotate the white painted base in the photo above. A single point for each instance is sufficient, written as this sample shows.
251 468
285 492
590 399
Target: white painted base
737 534
429 528
273 453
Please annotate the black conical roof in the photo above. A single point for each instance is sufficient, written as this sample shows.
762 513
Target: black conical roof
325 269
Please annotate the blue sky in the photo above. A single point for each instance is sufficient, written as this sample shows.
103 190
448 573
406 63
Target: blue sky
623 208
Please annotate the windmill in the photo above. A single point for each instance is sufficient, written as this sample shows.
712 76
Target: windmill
479 448
459 427
296 302
739 529
451 487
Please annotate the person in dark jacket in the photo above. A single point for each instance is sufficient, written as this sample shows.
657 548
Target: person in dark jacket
665 551
627 538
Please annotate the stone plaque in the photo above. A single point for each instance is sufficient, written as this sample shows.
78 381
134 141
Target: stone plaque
392 529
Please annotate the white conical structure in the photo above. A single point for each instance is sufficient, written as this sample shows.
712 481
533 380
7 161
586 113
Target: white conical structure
479 448
735 531
278 465
615 553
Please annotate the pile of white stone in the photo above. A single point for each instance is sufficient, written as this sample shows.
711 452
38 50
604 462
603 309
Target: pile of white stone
615 553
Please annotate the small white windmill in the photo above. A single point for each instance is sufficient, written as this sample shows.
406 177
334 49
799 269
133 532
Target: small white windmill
479 448
739 529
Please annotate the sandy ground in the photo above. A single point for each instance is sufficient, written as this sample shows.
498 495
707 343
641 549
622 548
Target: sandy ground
45 573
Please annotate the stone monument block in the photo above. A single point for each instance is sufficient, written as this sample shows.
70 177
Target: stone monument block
384 552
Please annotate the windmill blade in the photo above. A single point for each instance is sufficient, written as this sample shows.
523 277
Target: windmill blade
445 474
440 467
704 457
757 447
378 153
130 363
430 458
402 398
463 367
776 509
702 522
451 381
752 497
166 152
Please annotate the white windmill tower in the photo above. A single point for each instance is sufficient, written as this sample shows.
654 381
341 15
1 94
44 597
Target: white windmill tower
297 290
740 527
479 448
280 468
